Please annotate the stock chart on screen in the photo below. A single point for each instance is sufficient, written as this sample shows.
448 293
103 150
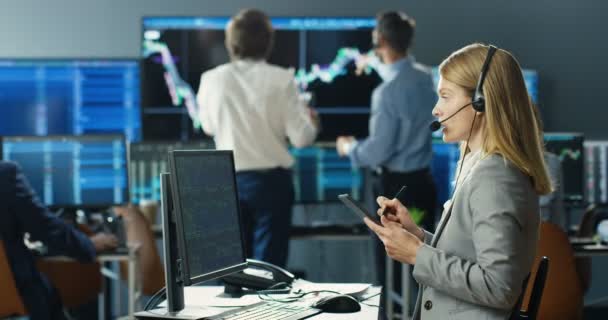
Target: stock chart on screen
323 53
569 148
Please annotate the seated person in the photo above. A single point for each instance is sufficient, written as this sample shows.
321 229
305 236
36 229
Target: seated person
22 212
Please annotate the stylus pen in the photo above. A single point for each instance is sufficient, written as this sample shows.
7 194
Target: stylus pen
395 197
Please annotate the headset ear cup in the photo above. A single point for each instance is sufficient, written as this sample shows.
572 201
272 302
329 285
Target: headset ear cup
479 104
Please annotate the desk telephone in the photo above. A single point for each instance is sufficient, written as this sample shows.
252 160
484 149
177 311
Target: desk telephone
259 275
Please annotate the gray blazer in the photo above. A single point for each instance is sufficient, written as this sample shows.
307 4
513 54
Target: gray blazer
475 264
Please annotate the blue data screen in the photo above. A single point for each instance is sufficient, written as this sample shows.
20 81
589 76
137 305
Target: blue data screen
75 97
320 175
72 171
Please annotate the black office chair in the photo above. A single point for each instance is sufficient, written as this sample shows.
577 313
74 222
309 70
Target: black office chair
535 296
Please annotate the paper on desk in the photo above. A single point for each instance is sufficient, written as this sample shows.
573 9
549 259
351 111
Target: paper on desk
352 289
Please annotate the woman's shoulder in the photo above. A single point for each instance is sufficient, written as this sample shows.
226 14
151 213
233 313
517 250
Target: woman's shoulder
495 168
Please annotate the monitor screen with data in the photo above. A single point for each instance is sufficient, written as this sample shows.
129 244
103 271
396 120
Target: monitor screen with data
205 200
72 171
70 97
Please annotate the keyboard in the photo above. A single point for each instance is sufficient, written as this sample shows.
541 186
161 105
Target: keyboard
268 310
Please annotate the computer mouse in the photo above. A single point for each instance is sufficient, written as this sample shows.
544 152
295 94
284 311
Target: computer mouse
342 303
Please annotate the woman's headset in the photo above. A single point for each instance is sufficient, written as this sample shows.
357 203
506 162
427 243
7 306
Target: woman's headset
479 100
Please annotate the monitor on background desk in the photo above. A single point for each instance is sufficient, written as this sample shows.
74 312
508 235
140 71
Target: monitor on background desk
320 175
568 146
72 171
443 167
596 171
42 97
147 160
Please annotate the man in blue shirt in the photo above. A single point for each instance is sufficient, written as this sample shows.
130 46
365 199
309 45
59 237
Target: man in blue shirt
398 149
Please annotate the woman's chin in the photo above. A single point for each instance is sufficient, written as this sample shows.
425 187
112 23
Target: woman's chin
446 135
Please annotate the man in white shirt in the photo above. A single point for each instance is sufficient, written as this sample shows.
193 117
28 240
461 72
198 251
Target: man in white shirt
254 108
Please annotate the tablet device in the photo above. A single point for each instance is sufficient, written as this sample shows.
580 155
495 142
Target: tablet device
357 207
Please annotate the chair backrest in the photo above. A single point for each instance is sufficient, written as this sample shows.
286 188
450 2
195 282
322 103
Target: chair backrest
538 287
139 231
11 303
562 297
540 275
73 291
587 226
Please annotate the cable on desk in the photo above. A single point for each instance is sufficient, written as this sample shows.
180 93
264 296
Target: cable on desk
264 294
159 296
369 304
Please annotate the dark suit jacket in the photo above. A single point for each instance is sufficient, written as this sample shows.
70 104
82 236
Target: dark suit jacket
21 211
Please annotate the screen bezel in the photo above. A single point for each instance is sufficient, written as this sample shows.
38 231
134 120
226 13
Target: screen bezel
357 208
79 138
187 277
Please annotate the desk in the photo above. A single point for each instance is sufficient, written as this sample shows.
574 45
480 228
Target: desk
133 281
197 297
583 249
590 250
393 296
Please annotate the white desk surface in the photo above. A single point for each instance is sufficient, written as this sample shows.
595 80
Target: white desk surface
212 300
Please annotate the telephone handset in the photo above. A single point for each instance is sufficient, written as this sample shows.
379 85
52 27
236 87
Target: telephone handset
259 275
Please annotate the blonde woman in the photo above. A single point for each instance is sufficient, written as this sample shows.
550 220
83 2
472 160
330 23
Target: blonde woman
474 265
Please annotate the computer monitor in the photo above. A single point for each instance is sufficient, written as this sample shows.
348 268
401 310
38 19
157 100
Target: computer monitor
443 167
320 175
531 80
72 171
322 51
70 97
569 148
206 207
596 171
147 160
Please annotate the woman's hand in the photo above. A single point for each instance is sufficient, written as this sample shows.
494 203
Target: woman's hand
399 243
395 211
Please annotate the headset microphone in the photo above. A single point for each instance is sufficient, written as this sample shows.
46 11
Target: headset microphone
435 125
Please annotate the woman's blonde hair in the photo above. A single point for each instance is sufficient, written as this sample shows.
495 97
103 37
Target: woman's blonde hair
511 126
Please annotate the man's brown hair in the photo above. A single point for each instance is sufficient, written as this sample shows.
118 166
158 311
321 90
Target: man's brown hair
249 35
